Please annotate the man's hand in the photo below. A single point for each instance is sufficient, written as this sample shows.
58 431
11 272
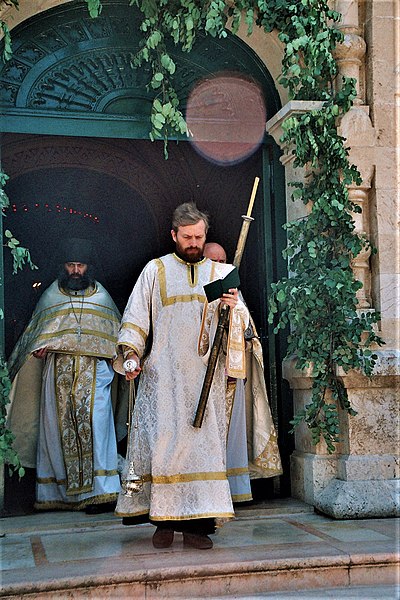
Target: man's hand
231 299
129 375
41 353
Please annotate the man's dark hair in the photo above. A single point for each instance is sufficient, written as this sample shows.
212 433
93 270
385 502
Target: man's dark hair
188 214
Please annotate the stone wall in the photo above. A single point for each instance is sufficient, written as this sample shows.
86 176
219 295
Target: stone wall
362 478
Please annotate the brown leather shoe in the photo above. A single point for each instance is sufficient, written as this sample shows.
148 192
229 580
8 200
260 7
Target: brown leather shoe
194 540
163 538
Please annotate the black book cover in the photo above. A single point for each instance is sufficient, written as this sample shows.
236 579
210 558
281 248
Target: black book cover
216 288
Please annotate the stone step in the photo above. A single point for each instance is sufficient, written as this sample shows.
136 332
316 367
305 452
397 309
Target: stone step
72 555
244 575
360 592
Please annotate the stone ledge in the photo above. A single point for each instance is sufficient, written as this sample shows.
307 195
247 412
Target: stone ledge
386 373
292 573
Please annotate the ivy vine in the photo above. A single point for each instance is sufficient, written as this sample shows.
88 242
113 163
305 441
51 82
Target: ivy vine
318 300
20 257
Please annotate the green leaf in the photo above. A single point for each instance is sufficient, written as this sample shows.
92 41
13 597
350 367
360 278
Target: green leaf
281 296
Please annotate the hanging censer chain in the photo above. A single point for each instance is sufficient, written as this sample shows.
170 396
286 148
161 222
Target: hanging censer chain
78 330
131 483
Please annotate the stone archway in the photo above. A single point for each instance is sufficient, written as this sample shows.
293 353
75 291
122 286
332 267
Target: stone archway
71 75
120 194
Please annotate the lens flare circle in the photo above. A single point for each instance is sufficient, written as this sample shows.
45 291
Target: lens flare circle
226 117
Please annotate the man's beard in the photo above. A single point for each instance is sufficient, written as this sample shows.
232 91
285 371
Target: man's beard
190 255
76 282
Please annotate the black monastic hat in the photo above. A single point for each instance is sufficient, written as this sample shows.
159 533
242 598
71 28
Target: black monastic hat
76 250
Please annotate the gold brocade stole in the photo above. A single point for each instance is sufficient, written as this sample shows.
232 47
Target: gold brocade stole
230 397
74 390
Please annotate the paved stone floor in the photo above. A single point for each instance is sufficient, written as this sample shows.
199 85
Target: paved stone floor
278 551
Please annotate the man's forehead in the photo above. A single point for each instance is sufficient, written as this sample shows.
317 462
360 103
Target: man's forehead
74 262
200 226
215 251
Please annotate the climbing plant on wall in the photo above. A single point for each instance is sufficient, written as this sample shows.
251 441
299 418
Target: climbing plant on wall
20 257
318 301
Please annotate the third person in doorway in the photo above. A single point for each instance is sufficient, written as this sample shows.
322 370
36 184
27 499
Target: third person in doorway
252 448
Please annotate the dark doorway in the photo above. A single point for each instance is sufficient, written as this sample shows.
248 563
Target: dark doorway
75 123
124 207
120 194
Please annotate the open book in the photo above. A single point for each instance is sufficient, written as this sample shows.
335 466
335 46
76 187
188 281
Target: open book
216 288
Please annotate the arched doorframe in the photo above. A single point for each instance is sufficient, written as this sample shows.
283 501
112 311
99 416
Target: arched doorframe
62 61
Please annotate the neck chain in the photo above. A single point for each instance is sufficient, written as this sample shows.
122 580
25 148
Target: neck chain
78 320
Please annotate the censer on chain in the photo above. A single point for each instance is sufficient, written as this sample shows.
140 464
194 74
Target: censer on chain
131 483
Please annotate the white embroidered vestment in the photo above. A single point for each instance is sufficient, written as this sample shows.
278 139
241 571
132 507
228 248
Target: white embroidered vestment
184 468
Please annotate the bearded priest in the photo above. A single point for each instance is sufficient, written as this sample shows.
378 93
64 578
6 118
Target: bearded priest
61 411
166 335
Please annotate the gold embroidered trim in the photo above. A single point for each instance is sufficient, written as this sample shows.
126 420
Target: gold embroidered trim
187 477
90 291
74 376
97 473
135 514
184 262
86 311
82 353
192 269
184 477
105 473
54 504
175 518
233 345
269 460
237 471
46 480
61 332
123 345
139 330
229 400
241 497
213 267
106 314
214 515
169 300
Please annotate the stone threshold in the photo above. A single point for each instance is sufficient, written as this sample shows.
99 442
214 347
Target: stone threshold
218 572
211 579
73 555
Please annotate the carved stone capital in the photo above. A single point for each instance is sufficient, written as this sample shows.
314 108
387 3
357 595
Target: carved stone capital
349 56
352 49
274 125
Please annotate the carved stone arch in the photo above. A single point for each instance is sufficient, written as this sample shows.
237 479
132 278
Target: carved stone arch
68 66
102 156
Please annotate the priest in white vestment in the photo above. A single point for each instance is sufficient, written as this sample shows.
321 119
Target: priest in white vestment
61 412
252 447
167 328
